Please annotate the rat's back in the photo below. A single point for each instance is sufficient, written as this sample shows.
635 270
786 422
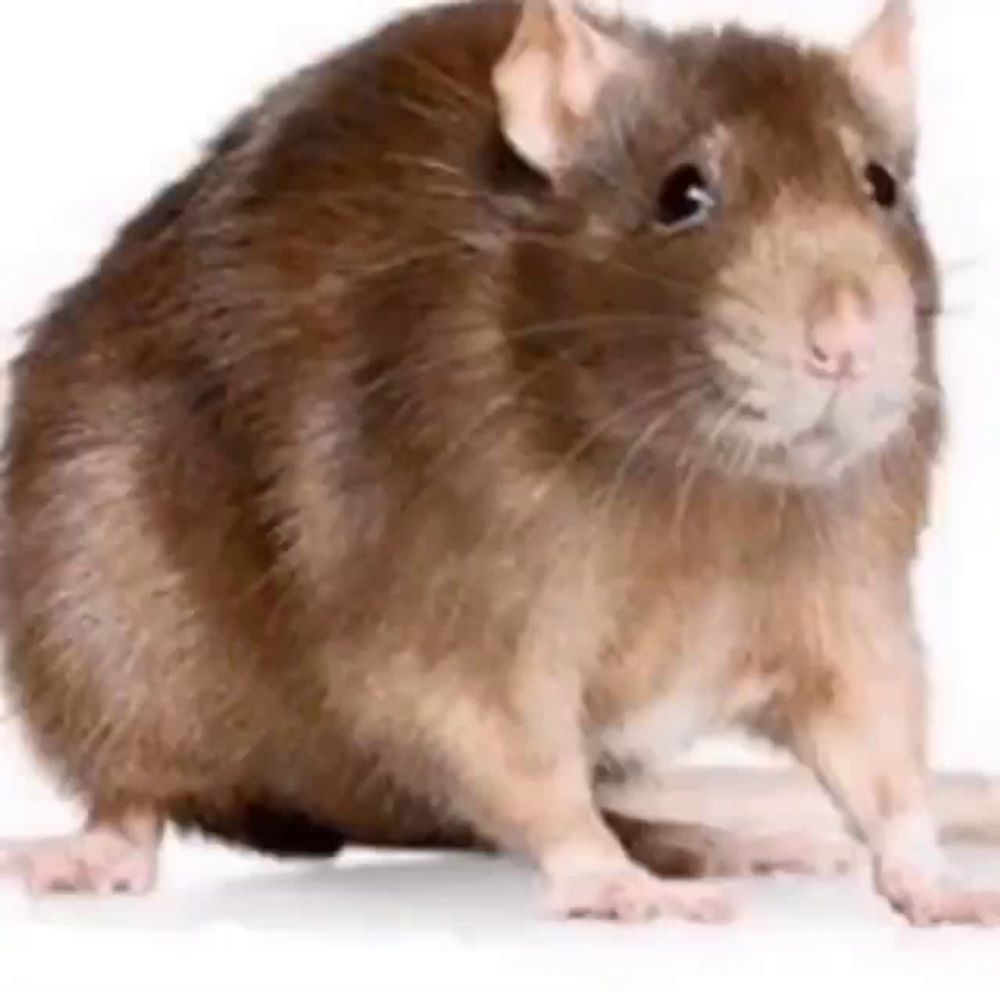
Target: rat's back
198 469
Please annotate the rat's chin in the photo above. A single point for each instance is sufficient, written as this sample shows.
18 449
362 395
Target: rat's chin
794 446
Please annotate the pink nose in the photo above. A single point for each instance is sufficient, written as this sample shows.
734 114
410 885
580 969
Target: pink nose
839 336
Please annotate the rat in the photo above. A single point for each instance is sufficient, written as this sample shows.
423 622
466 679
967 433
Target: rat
500 405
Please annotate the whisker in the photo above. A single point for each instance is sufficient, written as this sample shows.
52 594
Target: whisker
433 73
642 443
962 266
555 475
434 114
639 446
652 277
410 370
699 464
427 163
374 269
503 402
958 310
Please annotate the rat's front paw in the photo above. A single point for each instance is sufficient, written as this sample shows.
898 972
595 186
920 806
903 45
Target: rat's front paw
631 894
104 859
928 902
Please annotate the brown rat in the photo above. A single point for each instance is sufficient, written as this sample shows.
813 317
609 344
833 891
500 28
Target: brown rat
500 404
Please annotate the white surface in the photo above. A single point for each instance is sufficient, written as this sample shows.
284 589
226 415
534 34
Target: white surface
458 924
436 924
100 103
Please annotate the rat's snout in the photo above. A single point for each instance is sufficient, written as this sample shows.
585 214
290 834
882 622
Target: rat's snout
841 323
828 363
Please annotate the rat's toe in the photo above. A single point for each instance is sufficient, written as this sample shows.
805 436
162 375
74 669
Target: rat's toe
102 860
633 895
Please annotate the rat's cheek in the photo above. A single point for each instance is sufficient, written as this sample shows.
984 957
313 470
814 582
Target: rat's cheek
769 400
895 320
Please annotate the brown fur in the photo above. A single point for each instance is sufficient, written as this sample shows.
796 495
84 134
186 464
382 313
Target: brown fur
328 493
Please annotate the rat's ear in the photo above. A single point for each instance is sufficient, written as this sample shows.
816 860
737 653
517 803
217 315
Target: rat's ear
883 61
550 79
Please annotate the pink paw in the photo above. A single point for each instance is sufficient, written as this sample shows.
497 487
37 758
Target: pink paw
102 863
633 895
925 902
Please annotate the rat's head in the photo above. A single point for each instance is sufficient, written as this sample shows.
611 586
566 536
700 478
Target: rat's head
744 251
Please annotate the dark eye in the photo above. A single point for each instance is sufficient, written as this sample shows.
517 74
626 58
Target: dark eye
685 197
882 185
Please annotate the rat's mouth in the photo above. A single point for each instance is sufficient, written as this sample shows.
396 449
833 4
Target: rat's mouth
809 437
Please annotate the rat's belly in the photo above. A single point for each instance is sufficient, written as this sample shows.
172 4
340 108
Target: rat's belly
649 739
696 666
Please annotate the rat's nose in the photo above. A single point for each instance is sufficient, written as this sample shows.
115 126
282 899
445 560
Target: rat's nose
839 334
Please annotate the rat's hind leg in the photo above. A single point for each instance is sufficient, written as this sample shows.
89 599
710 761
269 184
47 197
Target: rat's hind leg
112 655
113 854
690 850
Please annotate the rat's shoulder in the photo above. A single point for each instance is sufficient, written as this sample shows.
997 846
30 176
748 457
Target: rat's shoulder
420 85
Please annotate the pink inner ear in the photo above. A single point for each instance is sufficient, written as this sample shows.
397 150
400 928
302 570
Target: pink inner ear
550 79
893 32
882 60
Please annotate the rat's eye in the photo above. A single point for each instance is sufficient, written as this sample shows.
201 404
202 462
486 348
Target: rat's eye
685 198
882 185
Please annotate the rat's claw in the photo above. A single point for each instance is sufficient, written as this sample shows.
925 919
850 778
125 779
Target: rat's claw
633 895
102 861
926 903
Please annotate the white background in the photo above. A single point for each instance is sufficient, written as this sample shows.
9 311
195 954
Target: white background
103 101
